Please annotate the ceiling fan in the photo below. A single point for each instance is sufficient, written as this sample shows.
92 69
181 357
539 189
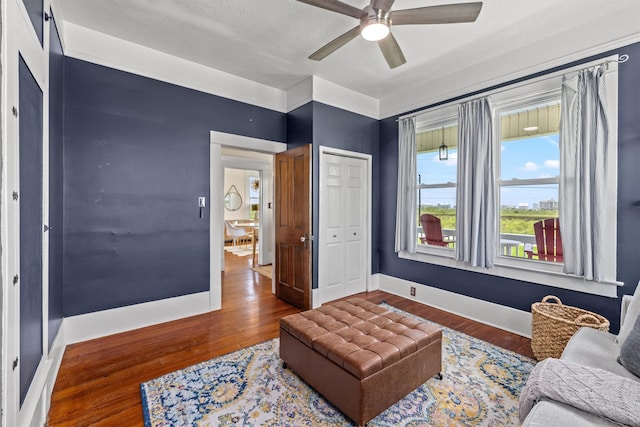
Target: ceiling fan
377 17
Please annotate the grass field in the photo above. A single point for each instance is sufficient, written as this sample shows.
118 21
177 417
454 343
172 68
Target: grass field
512 221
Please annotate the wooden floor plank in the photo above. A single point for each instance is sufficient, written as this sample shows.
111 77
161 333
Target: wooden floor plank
99 380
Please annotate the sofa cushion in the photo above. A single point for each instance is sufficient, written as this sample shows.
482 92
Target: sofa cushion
630 350
633 311
596 349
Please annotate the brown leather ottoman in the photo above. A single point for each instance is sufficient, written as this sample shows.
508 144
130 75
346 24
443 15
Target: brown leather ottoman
361 357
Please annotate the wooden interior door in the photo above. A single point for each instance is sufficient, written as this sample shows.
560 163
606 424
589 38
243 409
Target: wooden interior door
293 226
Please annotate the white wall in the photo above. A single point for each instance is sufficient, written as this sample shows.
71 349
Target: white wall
239 178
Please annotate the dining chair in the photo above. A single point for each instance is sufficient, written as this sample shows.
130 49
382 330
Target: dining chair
236 233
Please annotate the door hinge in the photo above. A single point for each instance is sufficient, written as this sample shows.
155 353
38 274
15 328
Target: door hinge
46 228
47 16
14 110
15 364
15 195
15 279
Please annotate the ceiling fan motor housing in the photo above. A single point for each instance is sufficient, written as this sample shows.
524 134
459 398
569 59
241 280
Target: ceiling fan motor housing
375 25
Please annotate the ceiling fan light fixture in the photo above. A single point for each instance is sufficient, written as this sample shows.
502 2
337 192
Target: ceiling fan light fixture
374 28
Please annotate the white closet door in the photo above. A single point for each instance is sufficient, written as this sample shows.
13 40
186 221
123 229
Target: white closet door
343 217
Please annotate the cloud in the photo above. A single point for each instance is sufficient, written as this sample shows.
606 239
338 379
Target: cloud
530 166
555 164
552 140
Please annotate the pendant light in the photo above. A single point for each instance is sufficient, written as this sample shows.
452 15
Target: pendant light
443 151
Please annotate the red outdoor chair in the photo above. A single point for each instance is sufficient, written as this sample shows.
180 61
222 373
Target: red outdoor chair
548 240
432 231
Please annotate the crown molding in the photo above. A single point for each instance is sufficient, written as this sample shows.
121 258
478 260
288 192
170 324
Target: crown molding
481 76
99 48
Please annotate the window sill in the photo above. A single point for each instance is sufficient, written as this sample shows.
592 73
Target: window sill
543 273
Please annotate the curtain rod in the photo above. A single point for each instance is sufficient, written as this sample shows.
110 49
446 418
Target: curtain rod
621 58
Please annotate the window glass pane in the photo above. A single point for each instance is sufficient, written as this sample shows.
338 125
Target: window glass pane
520 208
436 166
432 170
440 203
530 153
530 158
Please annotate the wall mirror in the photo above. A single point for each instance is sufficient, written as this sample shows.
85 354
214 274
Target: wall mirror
232 199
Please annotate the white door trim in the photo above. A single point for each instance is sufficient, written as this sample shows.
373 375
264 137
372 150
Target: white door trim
324 150
21 41
216 197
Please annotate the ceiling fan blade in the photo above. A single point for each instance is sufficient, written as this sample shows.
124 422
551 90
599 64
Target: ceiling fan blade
391 51
443 14
336 6
335 44
382 4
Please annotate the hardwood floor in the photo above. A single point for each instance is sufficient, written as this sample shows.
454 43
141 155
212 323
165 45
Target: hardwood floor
99 380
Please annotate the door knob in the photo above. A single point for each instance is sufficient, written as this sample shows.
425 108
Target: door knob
304 239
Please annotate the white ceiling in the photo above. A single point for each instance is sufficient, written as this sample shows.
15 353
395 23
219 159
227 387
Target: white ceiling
268 41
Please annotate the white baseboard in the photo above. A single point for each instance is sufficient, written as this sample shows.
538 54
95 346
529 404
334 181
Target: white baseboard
315 298
94 325
55 360
108 322
500 316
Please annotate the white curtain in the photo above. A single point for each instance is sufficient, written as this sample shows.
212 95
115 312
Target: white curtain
406 219
584 151
475 222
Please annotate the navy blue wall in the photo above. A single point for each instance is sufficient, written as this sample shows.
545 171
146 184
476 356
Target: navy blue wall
56 61
321 124
300 126
514 293
136 158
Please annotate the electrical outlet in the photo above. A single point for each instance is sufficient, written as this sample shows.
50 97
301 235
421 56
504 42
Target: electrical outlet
413 291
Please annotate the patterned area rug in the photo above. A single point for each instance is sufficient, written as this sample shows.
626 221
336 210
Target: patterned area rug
249 387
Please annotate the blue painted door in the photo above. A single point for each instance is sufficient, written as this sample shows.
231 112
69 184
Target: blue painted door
30 198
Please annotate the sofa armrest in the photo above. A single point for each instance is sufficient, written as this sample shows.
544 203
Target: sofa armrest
626 300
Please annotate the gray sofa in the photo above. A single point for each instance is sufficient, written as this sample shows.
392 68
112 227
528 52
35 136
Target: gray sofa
592 348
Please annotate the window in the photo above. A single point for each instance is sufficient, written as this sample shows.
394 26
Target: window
529 185
529 173
254 196
436 167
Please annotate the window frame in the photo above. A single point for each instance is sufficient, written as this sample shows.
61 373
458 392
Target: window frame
540 94
428 120
541 272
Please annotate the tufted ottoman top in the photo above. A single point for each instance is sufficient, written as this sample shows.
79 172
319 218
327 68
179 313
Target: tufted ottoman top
359 336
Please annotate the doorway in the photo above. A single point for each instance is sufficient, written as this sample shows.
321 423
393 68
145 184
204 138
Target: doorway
239 152
247 226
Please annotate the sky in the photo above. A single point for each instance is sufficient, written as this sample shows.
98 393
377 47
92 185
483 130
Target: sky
529 158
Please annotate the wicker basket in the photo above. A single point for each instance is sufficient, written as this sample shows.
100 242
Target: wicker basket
553 324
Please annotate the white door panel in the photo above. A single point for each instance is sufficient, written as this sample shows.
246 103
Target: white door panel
343 225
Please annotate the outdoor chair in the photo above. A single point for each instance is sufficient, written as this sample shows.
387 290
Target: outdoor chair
432 229
548 241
